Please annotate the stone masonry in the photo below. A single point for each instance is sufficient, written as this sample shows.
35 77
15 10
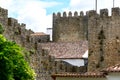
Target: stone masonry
101 31
104 39
39 59
69 28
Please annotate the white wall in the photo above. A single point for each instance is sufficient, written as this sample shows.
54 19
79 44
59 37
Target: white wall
49 31
113 76
85 54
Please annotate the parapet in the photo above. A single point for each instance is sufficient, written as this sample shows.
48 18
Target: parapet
70 14
58 15
81 13
12 22
91 13
54 14
64 14
23 26
76 14
104 13
3 11
116 11
30 31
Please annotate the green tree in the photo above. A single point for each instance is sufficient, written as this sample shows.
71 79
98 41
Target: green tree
13 65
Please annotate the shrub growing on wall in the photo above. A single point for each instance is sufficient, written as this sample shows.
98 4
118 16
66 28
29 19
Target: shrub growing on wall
13 66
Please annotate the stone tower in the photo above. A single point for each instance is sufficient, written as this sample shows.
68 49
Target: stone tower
104 39
3 16
69 28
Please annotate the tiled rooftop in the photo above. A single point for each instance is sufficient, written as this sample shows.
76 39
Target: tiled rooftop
66 49
38 33
115 68
87 74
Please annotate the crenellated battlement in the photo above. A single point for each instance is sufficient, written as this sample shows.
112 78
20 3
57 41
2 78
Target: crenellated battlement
81 13
23 26
69 26
103 34
9 21
3 11
116 11
103 13
91 13
99 29
64 14
12 21
69 14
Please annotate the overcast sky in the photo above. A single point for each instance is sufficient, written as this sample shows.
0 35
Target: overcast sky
37 14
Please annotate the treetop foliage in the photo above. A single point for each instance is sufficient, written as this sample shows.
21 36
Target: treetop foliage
13 65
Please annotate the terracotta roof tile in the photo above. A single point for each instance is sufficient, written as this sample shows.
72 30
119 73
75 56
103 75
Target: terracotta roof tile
115 68
66 49
87 74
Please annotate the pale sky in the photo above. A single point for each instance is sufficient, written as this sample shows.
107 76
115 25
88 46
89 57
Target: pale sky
37 14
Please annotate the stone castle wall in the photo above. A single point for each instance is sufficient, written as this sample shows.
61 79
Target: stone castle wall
46 65
43 64
104 39
101 31
3 16
15 31
69 28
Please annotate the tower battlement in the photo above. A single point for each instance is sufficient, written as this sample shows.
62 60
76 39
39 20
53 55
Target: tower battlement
3 11
101 30
104 12
69 14
116 11
64 25
69 27
91 13
4 16
103 38
12 21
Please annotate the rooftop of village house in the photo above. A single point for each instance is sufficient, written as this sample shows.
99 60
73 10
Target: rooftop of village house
87 74
66 50
102 74
115 68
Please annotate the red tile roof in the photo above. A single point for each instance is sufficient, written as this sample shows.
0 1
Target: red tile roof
87 74
115 68
66 49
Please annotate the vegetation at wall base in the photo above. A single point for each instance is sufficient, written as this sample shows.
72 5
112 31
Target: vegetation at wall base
13 65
